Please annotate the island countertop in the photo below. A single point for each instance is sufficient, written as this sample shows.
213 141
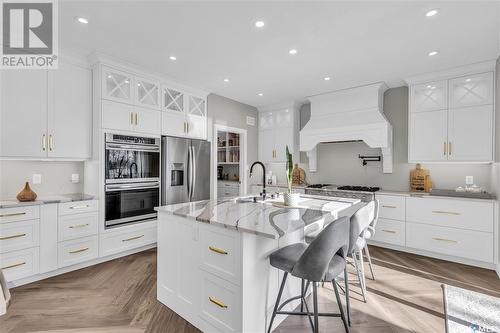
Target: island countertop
265 218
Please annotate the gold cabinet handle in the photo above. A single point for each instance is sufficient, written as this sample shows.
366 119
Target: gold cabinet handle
13 265
445 212
216 249
444 240
444 148
79 207
132 238
51 142
13 214
449 148
77 226
78 251
184 127
388 206
136 118
131 118
13 236
389 231
217 302
187 126
44 143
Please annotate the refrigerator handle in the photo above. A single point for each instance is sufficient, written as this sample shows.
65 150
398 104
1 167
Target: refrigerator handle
193 181
188 178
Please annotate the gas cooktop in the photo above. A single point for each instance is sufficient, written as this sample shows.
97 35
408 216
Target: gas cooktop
358 188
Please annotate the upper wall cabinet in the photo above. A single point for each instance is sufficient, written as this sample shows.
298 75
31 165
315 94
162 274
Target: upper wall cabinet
277 130
147 93
116 85
451 119
55 121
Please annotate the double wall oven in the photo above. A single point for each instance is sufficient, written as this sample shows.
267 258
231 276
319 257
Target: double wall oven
132 172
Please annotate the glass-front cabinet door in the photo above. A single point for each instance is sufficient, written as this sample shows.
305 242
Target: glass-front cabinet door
116 85
196 118
147 93
173 100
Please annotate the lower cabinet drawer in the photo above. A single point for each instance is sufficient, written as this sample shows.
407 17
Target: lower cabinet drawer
468 244
77 226
78 207
20 264
220 304
220 252
19 213
119 241
390 231
77 250
19 235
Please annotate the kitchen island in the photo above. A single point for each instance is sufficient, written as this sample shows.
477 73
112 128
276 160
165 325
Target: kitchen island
213 266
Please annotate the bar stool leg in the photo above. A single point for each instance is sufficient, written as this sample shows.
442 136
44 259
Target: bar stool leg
339 303
369 261
362 271
277 302
315 304
302 292
358 271
347 300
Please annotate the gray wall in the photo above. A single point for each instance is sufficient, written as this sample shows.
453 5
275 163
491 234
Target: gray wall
338 163
225 111
56 177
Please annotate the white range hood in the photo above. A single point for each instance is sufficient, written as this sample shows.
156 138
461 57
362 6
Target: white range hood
352 114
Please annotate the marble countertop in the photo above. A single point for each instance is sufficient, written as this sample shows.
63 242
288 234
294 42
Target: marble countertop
48 199
266 218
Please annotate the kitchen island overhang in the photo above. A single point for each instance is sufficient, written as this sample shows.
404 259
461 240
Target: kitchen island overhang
213 266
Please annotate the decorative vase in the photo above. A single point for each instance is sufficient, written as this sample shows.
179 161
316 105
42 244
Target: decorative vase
26 194
291 199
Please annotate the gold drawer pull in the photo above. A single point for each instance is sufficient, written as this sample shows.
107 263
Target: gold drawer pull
79 207
389 231
13 236
78 251
78 226
13 265
132 238
387 206
445 212
13 214
217 302
216 249
444 240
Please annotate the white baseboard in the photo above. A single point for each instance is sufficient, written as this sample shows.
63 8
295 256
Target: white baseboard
38 277
459 260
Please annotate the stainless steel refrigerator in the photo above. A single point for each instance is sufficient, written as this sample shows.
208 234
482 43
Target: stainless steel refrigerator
185 171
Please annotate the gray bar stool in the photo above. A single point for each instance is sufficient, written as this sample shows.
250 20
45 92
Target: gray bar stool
323 259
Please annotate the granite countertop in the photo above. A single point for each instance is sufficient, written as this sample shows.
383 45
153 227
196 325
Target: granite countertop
49 199
439 193
262 218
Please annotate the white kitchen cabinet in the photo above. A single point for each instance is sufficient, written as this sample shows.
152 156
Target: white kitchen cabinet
55 121
276 132
471 90
147 121
69 112
117 116
428 136
147 93
183 115
451 119
173 124
116 85
470 133
196 117
429 96
23 120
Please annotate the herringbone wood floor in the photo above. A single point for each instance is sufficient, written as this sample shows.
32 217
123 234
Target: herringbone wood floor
120 297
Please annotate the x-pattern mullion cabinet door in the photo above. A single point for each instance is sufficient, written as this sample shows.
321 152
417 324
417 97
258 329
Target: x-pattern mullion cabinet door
117 85
471 90
147 93
173 115
429 96
197 117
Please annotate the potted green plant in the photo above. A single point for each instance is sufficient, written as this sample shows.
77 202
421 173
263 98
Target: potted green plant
290 199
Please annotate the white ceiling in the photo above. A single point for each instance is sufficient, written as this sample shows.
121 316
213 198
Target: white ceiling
353 42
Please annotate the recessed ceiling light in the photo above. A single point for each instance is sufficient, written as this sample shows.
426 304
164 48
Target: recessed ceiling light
432 53
467 80
293 51
226 80
260 94
82 20
260 24
432 12
326 78
173 58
